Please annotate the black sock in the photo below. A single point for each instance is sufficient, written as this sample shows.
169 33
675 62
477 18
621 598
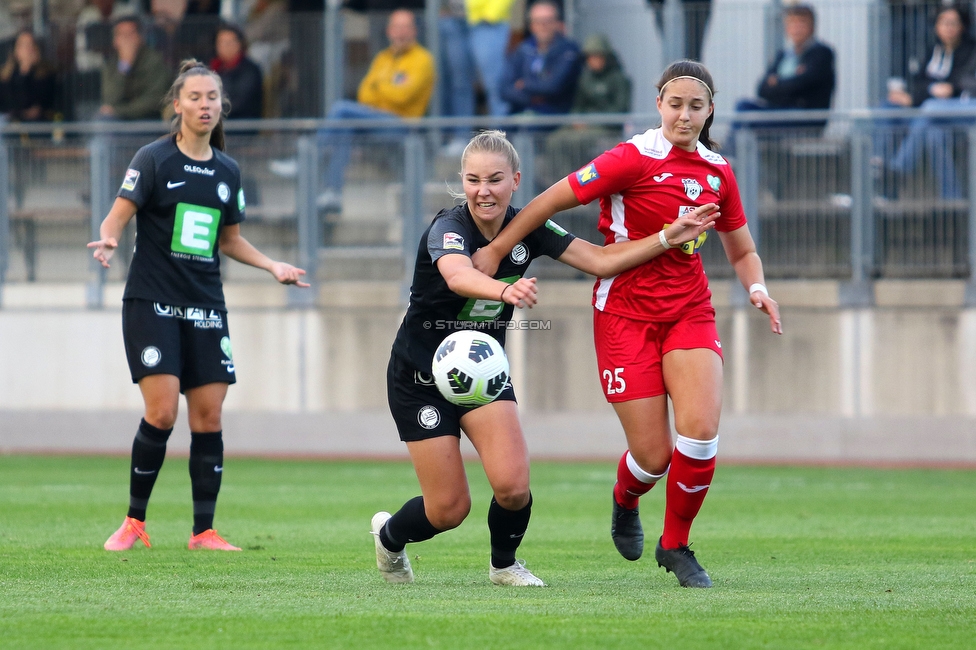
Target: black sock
408 524
206 468
506 528
148 453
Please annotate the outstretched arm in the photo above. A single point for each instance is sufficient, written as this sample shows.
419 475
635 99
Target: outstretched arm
558 197
233 244
741 251
607 261
111 229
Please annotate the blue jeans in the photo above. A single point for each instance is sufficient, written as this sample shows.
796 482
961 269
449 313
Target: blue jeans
339 141
456 71
933 136
488 44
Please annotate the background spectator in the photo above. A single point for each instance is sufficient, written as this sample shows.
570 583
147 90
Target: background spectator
800 77
603 88
179 37
240 75
93 32
489 22
455 71
135 78
27 83
399 84
541 74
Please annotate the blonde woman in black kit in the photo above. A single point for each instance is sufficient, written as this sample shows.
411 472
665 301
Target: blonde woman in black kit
186 195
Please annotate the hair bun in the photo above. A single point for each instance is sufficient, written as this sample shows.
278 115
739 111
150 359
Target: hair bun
188 64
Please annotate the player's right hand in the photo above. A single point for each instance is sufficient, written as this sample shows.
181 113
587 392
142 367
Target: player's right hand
104 249
524 293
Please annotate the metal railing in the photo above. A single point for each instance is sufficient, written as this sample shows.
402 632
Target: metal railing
842 201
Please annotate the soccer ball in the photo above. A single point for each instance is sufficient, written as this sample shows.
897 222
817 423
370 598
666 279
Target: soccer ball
470 368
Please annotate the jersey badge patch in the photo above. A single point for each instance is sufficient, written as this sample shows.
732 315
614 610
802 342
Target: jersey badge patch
556 228
131 178
428 417
240 200
453 241
520 254
714 182
223 192
692 188
587 175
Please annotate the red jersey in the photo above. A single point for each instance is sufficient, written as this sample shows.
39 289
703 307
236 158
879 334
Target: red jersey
643 185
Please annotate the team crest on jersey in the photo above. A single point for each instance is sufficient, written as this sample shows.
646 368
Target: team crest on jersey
429 417
587 175
692 188
453 241
714 182
223 192
131 178
520 254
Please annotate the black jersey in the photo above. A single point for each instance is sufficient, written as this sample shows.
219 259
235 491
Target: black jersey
182 206
435 311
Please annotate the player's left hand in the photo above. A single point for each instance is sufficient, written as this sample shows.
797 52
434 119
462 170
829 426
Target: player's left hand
769 306
287 274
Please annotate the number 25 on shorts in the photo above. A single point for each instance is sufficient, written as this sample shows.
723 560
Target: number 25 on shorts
615 381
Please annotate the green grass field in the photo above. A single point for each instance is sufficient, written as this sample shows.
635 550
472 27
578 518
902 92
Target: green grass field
801 558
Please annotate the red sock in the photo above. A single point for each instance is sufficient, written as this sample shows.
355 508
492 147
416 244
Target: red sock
688 483
629 489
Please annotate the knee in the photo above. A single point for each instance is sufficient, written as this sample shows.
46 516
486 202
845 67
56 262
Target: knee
447 514
514 496
653 461
161 416
699 427
206 420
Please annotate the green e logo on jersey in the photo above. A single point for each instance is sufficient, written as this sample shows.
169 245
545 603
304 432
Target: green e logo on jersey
195 230
480 310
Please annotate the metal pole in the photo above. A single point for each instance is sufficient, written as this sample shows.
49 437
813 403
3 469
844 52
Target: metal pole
309 238
747 175
525 144
413 216
4 213
334 55
674 31
857 293
99 154
432 27
970 299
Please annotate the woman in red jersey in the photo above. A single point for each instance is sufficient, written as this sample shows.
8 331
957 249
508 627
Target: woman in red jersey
654 325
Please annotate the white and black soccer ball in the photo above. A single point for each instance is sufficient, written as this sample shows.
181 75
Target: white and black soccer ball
470 368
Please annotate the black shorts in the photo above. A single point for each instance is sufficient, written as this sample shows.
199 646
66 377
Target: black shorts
188 342
419 409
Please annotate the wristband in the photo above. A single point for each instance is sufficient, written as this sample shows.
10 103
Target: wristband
758 286
502 297
664 240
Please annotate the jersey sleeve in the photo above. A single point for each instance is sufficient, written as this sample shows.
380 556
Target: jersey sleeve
236 205
609 173
137 186
730 204
447 236
550 239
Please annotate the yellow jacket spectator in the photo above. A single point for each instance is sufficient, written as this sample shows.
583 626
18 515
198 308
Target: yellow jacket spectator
400 82
488 11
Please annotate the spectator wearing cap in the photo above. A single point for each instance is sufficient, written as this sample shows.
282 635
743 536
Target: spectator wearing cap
603 88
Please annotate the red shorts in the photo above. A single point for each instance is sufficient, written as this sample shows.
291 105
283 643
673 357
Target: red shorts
629 352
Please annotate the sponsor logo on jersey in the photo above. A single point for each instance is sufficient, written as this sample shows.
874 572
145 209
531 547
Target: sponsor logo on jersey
193 169
207 319
692 188
662 177
429 417
240 200
130 180
520 254
170 185
714 182
587 175
690 247
195 230
223 192
453 241
423 378
556 228
151 356
226 348
693 489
